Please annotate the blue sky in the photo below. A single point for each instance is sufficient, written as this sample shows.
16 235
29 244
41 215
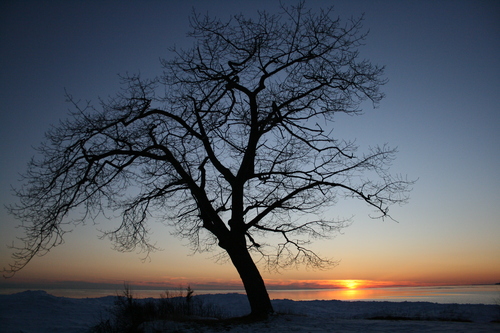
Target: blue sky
441 111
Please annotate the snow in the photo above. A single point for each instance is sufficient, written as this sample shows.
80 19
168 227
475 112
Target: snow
39 312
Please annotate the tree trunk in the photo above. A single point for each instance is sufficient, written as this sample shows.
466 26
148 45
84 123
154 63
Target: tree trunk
260 303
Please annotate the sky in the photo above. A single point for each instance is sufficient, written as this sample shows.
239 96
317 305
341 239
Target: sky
441 111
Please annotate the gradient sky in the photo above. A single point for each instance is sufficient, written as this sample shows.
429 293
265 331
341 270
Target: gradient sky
441 110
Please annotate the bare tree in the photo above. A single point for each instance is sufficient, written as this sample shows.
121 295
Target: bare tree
232 142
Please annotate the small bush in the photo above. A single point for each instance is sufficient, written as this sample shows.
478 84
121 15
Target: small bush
497 302
128 314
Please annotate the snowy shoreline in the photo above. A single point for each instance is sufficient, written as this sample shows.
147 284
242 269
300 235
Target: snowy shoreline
40 312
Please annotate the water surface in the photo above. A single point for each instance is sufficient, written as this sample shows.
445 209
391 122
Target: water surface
474 294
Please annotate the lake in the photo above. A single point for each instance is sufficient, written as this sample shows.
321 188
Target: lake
468 294
477 294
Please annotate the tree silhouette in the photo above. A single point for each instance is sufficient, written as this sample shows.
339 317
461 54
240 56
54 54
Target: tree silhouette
232 142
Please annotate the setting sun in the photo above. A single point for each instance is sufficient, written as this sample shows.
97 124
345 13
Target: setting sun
350 284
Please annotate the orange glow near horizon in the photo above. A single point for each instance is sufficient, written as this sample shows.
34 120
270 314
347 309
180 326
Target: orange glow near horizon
346 284
351 284
349 287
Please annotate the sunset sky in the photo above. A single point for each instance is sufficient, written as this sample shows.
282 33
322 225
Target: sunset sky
441 111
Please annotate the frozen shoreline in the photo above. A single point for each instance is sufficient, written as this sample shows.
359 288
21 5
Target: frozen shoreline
39 312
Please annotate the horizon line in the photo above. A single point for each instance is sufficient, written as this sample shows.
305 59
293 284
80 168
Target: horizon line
218 286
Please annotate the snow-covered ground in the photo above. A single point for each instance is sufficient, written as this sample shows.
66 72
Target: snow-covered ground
39 312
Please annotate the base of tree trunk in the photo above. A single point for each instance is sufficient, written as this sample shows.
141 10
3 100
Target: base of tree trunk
260 303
